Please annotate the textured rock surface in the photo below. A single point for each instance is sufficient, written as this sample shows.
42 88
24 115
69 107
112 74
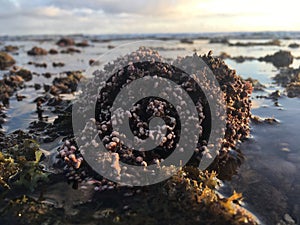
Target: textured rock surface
6 60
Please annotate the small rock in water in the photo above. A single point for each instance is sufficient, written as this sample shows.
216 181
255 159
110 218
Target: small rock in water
35 51
279 59
6 60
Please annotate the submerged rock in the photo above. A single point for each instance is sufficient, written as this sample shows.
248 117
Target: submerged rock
279 59
6 60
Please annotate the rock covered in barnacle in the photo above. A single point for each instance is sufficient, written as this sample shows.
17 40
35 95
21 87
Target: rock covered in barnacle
78 173
67 152
236 95
123 70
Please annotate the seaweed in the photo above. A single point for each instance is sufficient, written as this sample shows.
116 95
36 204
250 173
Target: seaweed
19 162
26 210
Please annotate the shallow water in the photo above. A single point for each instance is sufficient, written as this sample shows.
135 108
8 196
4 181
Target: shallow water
272 154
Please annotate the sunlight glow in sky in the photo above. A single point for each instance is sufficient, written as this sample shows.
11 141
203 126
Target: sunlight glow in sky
146 16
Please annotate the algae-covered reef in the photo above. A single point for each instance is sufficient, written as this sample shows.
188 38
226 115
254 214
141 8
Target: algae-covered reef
188 197
19 162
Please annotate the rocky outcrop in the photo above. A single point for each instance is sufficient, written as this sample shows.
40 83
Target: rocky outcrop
279 59
37 51
82 44
6 60
63 42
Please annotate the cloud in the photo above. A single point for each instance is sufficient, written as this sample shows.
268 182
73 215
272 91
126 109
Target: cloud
144 16
117 7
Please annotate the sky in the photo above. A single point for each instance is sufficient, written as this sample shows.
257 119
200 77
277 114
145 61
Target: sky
25 17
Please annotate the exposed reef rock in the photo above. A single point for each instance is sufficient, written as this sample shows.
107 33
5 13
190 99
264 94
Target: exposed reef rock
37 51
248 44
65 84
279 59
64 42
6 60
236 96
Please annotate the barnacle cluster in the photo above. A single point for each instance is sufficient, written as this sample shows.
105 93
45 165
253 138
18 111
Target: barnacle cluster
146 62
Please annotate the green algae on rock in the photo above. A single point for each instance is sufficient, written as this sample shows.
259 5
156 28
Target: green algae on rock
190 196
20 156
25 210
